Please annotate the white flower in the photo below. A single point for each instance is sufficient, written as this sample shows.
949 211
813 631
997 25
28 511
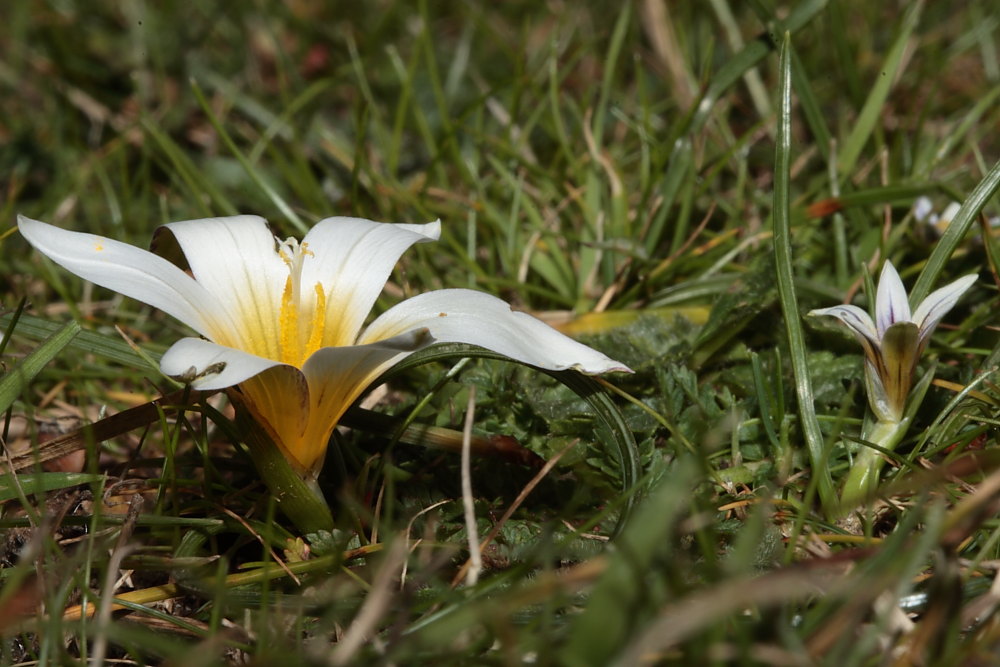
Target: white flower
924 213
894 342
285 320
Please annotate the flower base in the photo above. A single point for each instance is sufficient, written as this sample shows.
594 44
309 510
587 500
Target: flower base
297 498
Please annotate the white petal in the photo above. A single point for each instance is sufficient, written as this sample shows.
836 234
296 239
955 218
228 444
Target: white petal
891 303
950 211
922 207
126 269
206 365
938 303
352 259
466 316
860 323
236 260
878 399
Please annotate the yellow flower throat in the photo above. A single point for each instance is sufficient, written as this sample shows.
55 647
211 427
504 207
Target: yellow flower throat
302 320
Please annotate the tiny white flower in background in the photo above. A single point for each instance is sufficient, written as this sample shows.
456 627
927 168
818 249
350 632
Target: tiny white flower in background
922 208
284 320
894 342
923 212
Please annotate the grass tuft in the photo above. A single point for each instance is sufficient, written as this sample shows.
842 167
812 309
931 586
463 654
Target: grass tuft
673 183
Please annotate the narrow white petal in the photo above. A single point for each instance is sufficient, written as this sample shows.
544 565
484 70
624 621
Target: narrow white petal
938 303
206 365
891 303
860 323
352 259
126 269
878 399
236 260
466 316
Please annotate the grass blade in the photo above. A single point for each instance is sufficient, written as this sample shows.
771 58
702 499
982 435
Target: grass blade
786 285
32 483
35 328
956 231
872 110
16 381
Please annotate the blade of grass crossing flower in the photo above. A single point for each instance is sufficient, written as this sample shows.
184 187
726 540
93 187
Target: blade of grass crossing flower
871 112
786 286
622 446
16 380
956 231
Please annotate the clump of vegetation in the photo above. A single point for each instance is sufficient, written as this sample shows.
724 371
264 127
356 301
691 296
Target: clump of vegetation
675 185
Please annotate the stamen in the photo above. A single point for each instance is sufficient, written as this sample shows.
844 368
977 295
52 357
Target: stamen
292 335
289 322
318 322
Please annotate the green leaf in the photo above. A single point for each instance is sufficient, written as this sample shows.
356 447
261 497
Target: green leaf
17 379
30 483
956 231
607 620
786 287
873 108
35 328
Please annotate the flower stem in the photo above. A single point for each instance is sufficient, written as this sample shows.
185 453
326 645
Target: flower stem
862 479
299 500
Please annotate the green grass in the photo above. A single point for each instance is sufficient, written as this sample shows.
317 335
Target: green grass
675 178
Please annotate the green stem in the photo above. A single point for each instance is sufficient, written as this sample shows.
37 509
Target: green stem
862 480
299 500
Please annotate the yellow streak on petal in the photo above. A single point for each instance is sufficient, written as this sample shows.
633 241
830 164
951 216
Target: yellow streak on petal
318 324
279 400
289 324
98 247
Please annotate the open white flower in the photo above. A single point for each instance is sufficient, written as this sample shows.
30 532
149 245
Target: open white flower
285 321
894 342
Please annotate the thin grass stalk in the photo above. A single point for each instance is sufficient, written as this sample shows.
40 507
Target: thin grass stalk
956 231
786 286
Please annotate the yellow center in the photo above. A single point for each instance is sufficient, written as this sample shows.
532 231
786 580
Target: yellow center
303 316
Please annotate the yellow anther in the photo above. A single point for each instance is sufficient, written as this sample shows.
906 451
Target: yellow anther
289 323
318 322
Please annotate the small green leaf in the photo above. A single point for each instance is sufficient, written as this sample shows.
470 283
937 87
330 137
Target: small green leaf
16 381
31 483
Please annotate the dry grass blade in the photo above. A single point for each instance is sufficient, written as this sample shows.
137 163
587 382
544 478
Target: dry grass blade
521 497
